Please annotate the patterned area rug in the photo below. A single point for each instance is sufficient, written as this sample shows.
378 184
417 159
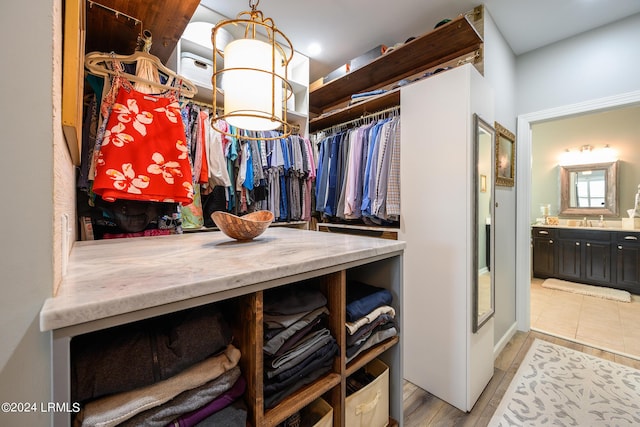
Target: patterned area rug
557 386
582 289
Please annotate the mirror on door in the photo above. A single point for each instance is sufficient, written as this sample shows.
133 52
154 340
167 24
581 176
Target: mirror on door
483 286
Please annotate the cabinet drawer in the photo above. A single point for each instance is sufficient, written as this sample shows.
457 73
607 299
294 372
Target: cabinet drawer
584 234
543 232
627 237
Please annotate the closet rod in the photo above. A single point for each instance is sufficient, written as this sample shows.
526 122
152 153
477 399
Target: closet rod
364 116
200 103
116 12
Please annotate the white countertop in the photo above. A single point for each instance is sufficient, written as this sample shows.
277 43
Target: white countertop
575 227
112 277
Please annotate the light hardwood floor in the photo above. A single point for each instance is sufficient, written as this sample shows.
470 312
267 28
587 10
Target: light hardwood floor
423 409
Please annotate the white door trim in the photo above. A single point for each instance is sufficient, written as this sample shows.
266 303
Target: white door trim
523 186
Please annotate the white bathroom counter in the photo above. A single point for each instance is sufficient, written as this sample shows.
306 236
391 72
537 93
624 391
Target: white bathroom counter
574 227
109 279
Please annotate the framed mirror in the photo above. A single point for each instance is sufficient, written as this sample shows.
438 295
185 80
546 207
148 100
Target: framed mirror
505 156
483 297
589 189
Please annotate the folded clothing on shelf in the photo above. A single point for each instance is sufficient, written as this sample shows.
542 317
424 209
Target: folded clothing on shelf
285 338
138 354
117 408
380 334
298 346
234 415
363 298
203 401
210 411
293 299
368 328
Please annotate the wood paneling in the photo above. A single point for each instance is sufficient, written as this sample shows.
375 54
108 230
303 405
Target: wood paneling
166 21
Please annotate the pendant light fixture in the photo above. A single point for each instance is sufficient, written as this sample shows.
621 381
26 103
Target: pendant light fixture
250 74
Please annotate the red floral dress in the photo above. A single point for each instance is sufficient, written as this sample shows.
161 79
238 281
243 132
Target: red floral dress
144 155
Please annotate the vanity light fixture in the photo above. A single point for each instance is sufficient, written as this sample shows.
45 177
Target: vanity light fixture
253 73
587 154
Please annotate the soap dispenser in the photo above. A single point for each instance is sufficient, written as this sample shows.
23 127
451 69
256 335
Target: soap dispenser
601 222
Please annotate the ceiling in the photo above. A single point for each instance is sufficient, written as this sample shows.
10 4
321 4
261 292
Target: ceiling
347 28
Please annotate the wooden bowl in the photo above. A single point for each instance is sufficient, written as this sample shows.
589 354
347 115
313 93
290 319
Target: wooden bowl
244 227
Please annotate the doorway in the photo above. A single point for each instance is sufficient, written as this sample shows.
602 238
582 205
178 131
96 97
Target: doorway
524 189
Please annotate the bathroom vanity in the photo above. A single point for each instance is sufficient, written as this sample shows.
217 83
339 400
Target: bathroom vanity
591 255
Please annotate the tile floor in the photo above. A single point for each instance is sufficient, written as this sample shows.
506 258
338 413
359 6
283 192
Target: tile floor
609 325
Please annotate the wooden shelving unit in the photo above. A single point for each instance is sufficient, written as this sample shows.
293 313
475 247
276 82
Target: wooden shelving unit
332 384
324 262
451 41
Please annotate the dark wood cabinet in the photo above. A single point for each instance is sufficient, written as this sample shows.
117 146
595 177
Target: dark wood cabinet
569 259
590 256
585 256
543 241
597 262
627 255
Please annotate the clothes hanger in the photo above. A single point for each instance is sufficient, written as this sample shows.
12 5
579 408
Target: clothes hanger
98 63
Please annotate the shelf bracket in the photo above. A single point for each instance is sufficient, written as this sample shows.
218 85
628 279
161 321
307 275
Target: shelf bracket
476 14
472 59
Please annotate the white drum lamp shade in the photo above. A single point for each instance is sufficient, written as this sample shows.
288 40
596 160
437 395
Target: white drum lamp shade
252 87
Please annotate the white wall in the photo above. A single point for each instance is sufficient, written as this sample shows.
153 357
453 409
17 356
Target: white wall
499 70
32 149
596 64
620 128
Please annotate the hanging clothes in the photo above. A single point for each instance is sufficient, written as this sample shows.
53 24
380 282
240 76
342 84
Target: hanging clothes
123 123
143 155
383 173
201 176
217 162
353 188
358 174
310 176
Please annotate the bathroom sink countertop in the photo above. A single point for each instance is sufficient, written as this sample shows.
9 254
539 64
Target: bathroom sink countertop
577 227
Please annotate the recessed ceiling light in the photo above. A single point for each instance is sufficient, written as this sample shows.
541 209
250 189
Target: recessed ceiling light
314 49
